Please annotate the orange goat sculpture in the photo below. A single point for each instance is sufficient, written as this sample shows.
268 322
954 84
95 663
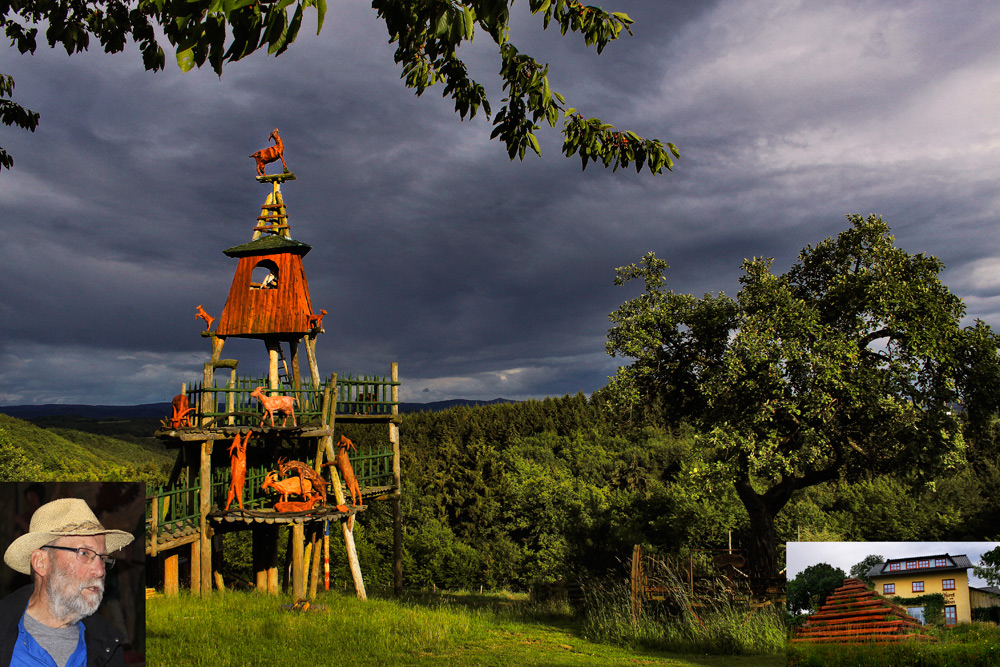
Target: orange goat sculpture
237 469
293 486
180 409
316 319
293 506
205 316
283 404
346 470
271 153
305 472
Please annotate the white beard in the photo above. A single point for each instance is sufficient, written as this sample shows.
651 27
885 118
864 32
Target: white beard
71 601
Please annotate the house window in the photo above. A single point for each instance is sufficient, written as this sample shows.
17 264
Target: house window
889 589
950 615
911 565
940 562
918 587
923 563
948 584
917 613
894 566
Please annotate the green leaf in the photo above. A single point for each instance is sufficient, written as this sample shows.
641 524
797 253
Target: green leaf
185 59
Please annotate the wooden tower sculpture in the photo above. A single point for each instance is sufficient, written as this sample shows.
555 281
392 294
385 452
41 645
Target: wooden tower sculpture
269 300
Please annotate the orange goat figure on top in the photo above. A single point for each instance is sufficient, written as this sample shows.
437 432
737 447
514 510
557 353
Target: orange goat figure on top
270 154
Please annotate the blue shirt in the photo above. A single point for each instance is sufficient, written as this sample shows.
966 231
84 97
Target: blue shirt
29 653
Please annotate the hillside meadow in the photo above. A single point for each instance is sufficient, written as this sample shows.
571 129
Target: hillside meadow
246 629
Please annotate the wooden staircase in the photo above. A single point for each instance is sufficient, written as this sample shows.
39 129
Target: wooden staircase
853 614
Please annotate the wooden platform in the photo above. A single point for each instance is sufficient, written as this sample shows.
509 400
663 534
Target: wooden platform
324 513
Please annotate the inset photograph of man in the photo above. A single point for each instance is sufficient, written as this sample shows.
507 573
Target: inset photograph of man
72 583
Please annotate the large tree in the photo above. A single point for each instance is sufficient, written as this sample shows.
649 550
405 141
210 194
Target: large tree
427 34
809 589
845 366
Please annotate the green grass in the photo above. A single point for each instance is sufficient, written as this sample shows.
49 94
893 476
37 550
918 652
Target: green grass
966 645
246 629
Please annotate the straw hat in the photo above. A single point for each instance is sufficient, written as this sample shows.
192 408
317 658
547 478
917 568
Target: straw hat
60 518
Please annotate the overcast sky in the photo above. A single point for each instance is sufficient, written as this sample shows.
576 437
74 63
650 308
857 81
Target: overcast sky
482 277
846 555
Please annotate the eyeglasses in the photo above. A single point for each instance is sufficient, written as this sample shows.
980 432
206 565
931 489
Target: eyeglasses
85 555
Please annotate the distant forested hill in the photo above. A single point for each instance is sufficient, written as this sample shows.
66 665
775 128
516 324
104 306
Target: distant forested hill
30 452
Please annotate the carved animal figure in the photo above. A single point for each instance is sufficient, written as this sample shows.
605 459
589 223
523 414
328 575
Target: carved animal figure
181 410
237 469
346 471
293 486
282 404
271 153
296 506
316 320
304 471
205 316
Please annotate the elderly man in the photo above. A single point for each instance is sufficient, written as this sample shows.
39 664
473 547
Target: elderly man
52 621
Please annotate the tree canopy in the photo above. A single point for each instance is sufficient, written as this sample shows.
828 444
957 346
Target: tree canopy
810 587
860 570
988 567
847 365
427 37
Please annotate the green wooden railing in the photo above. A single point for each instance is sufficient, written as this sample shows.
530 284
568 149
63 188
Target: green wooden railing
230 402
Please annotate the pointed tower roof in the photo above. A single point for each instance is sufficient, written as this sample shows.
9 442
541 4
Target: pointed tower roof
269 296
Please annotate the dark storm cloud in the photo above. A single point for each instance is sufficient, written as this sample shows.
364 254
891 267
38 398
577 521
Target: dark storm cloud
481 277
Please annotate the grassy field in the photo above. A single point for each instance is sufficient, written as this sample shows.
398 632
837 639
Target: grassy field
245 629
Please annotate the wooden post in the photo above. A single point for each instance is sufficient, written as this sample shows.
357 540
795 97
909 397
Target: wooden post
171 580
273 353
310 342
196 567
153 524
265 557
397 476
352 551
296 373
205 478
298 572
314 575
206 503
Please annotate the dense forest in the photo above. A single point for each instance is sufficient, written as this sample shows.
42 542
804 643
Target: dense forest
503 496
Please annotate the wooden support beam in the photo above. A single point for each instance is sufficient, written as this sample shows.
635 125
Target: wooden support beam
316 555
352 550
205 480
298 554
196 567
397 477
273 355
171 577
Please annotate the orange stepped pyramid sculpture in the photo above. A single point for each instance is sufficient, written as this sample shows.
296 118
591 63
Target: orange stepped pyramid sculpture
854 614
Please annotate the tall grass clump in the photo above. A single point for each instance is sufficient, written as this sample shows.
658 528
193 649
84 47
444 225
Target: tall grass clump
716 626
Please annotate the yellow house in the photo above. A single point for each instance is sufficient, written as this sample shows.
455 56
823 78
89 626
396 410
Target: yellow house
912 577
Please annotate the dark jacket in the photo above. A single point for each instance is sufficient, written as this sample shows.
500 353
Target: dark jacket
104 643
